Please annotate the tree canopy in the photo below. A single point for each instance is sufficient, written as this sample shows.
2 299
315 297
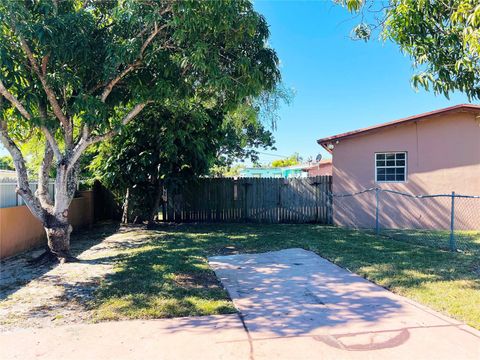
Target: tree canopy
73 73
294 159
441 37
174 145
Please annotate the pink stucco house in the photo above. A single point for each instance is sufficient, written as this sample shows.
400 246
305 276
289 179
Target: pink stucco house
430 153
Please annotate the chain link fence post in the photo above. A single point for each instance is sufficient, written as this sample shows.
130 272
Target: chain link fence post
453 245
330 208
377 225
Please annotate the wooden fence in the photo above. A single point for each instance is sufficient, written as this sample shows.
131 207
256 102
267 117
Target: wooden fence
265 200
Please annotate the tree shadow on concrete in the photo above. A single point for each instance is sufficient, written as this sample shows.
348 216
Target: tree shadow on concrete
291 292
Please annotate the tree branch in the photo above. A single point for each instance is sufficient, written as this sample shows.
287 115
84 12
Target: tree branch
51 141
14 101
52 99
72 178
108 89
85 141
48 135
23 188
21 109
129 117
43 178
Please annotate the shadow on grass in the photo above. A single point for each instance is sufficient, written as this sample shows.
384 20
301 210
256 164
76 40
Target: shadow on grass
166 277
169 275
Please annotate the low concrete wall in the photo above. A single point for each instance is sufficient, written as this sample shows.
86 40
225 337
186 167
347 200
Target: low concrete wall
20 230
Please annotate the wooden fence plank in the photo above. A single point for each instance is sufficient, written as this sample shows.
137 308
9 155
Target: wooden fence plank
271 200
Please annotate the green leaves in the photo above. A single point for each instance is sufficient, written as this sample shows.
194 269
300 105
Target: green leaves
441 37
197 64
88 109
290 161
436 36
362 32
177 142
351 5
354 5
6 163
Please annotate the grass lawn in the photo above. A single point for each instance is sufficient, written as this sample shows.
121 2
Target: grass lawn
466 241
168 275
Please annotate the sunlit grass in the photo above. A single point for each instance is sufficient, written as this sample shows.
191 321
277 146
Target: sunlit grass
169 276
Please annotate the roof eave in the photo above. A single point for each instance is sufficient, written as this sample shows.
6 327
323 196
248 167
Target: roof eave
324 142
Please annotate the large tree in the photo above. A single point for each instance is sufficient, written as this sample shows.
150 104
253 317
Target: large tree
174 145
442 37
74 72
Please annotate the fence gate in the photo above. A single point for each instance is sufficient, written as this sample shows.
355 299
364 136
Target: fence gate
265 200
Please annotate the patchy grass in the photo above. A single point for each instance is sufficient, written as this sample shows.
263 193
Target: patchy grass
169 275
466 241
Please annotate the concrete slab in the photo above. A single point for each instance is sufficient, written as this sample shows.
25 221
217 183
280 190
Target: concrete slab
297 305
209 337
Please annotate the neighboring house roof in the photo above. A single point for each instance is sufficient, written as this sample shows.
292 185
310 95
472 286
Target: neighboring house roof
322 168
280 168
452 109
316 164
291 167
294 167
261 169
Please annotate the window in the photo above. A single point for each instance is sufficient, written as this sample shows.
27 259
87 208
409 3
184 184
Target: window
391 167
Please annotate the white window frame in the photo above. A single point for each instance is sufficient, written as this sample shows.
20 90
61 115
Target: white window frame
395 166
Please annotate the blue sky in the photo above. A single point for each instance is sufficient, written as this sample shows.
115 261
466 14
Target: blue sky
339 84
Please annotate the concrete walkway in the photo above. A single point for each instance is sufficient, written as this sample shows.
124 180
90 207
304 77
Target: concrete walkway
294 305
203 338
297 305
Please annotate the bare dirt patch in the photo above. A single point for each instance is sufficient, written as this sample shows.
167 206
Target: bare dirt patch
50 295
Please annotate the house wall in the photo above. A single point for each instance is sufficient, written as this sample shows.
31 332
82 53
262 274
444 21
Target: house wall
443 155
321 170
293 173
261 172
20 230
280 172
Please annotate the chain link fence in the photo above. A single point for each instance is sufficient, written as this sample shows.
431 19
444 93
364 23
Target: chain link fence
445 221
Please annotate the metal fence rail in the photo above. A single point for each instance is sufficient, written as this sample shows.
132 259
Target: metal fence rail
448 221
9 196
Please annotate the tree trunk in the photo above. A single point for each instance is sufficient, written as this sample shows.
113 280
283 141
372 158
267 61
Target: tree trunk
56 222
125 207
59 241
156 203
